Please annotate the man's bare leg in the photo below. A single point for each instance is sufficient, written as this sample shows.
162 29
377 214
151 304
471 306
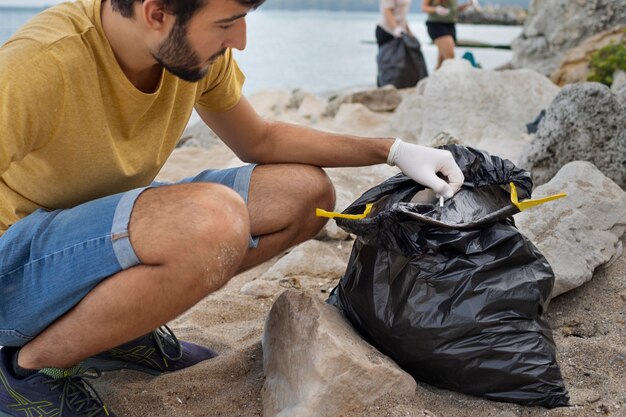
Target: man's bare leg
191 239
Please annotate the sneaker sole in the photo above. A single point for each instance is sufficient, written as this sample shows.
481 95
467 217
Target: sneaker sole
109 366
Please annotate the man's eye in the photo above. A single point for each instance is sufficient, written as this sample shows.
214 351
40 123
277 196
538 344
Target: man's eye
225 26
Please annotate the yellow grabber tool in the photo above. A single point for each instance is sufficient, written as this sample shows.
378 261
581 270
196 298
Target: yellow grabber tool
521 205
526 204
334 215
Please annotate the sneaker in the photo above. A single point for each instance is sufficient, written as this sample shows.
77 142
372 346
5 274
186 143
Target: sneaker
155 353
49 392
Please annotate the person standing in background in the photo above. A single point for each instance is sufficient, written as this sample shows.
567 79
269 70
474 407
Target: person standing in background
393 21
442 16
400 59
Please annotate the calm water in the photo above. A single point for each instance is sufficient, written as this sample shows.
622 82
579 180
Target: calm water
320 51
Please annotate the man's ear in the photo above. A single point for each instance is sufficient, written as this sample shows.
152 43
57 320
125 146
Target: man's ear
155 16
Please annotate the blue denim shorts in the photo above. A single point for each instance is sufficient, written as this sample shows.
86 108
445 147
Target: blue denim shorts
50 260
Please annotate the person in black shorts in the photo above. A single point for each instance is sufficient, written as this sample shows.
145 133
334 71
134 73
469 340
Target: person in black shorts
442 17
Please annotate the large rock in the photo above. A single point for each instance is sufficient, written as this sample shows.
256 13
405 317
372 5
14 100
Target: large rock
585 122
310 259
198 135
581 232
355 118
494 15
311 107
189 161
315 364
406 121
486 109
555 26
270 103
382 99
575 65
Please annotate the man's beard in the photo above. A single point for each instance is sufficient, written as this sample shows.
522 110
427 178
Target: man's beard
176 55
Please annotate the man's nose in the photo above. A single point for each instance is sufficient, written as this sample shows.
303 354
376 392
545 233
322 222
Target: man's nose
238 36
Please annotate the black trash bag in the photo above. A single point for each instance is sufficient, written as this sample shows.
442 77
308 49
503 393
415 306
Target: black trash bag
456 296
400 62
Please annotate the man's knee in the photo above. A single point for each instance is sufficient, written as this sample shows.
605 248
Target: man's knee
220 214
186 222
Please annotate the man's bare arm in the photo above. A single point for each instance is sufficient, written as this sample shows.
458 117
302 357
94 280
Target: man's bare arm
255 139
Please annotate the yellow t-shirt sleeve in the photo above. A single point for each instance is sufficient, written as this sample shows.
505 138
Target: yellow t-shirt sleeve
31 94
221 88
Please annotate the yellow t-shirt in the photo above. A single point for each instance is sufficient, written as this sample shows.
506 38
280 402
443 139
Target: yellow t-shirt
72 126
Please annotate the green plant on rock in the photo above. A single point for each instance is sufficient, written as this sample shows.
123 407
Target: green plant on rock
605 61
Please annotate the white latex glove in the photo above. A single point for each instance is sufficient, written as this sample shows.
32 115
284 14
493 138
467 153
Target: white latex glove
442 11
422 163
397 32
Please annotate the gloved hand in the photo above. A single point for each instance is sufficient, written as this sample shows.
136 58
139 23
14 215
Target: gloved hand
398 31
422 163
442 11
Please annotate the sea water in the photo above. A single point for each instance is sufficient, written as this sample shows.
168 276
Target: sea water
321 52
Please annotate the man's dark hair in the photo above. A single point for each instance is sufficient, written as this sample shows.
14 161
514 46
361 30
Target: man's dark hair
182 9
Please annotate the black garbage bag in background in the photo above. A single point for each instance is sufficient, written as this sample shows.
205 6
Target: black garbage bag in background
400 62
456 296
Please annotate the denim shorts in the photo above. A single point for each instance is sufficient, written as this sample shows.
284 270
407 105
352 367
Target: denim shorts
50 260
